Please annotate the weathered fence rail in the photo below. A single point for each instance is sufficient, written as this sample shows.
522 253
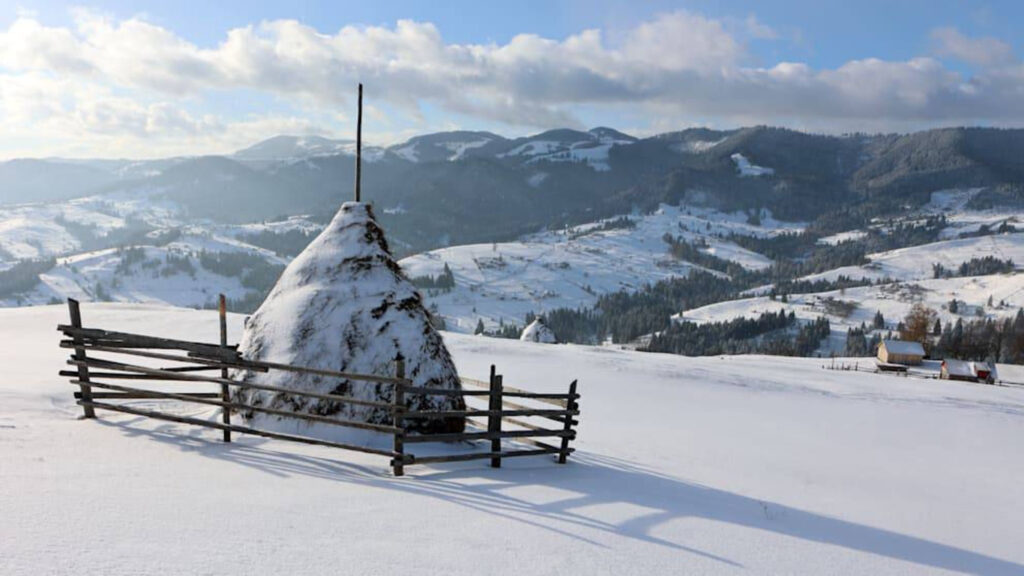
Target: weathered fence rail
532 416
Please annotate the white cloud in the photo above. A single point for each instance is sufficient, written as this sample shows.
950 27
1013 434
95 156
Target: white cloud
758 30
130 82
979 51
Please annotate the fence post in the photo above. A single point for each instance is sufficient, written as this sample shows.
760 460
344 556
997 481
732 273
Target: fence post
83 371
494 418
225 393
563 454
398 463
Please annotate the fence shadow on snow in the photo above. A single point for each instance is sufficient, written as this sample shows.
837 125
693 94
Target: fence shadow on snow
592 480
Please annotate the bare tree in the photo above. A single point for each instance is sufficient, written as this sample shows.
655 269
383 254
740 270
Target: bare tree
918 323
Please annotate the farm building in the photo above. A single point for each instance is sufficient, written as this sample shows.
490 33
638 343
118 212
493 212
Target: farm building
900 352
957 370
968 371
985 371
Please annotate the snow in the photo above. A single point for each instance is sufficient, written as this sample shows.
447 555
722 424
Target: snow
534 148
538 332
685 465
915 263
745 168
342 304
894 301
536 179
458 149
696 146
903 347
408 152
79 275
25 238
571 268
593 152
841 237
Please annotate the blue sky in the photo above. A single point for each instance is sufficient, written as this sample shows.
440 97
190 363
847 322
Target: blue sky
163 76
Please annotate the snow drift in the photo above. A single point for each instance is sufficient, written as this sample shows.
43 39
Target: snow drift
343 304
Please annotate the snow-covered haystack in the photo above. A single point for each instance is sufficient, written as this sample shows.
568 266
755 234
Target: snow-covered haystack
537 331
343 304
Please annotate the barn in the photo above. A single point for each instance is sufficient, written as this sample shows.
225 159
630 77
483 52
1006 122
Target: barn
900 352
957 370
985 372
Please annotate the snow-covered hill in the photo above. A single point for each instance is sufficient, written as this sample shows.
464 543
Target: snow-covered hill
685 465
502 282
915 263
189 270
894 301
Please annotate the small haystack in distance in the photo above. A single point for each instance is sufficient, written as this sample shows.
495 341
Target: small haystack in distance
538 331
343 304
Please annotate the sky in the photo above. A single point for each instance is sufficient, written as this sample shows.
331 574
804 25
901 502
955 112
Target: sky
141 80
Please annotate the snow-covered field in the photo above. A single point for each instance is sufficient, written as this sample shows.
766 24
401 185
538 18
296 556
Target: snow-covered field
915 263
892 300
100 275
685 466
571 268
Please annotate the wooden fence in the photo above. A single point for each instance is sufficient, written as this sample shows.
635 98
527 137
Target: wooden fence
531 415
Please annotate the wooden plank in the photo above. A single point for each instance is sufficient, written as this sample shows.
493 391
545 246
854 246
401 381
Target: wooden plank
142 395
563 454
238 406
494 418
369 378
510 392
203 353
468 413
420 390
461 436
83 370
543 445
482 426
215 364
397 466
225 393
512 406
235 428
124 339
215 380
523 423
561 398
122 376
479 456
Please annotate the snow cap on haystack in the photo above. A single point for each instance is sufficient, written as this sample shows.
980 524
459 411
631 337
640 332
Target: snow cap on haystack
538 331
343 304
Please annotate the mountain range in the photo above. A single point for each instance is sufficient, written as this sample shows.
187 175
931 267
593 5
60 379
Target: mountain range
464 187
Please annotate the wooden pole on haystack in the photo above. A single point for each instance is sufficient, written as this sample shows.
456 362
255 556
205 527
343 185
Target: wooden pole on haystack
359 144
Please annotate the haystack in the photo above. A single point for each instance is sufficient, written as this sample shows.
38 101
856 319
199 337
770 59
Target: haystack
343 304
538 331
